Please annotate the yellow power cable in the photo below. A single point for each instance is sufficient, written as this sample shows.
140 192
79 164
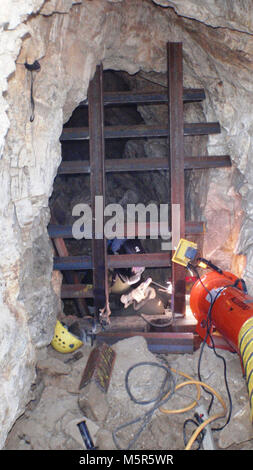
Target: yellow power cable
189 407
198 385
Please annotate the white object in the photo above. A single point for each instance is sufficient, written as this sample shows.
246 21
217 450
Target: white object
208 442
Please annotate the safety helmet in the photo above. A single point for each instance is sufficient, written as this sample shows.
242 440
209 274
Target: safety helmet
64 341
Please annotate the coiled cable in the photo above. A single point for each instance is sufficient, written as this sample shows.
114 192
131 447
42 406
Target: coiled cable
166 391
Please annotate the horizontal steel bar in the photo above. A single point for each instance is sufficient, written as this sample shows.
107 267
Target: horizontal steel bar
76 291
140 131
65 231
161 343
145 164
72 263
59 231
151 260
74 167
130 97
205 162
114 261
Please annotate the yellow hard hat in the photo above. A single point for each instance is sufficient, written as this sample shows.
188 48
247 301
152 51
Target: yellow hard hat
64 341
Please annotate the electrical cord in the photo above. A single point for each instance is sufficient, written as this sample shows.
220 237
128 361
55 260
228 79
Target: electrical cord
208 334
166 391
156 325
199 438
198 384
198 435
209 324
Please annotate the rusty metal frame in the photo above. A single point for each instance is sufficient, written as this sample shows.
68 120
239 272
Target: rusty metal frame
140 131
176 159
97 186
65 231
116 165
175 339
61 250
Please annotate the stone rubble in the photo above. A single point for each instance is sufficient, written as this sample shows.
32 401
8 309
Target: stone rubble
50 420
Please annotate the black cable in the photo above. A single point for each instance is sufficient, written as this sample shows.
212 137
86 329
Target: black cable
227 388
192 267
209 325
208 334
199 438
156 325
166 391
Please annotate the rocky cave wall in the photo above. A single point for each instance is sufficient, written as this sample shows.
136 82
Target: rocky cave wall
69 38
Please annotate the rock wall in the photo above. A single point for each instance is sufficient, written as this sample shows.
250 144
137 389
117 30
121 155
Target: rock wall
69 38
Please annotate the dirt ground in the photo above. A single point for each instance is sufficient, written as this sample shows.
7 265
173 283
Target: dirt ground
50 420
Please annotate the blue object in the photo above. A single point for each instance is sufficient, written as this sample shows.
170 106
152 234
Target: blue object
191 253
86 435
115 244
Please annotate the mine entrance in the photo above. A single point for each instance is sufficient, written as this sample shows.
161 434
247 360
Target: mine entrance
105 158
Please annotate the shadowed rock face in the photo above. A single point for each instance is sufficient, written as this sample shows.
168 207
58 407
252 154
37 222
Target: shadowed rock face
69 38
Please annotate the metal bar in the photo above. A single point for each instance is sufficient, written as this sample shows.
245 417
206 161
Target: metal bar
154 260
65 231
129 97
76 291
60 247
140 131
131 322
97 185
73 263
161 343
201 128
135 164
194 228
145 164
205 162
176 158
74 167
70 277
151 260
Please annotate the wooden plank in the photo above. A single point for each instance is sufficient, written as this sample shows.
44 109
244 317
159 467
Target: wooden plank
140 131
176 158
65 231
145 97
97 185
145 164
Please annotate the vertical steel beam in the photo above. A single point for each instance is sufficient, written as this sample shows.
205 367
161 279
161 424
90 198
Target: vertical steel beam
176 162
97 185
